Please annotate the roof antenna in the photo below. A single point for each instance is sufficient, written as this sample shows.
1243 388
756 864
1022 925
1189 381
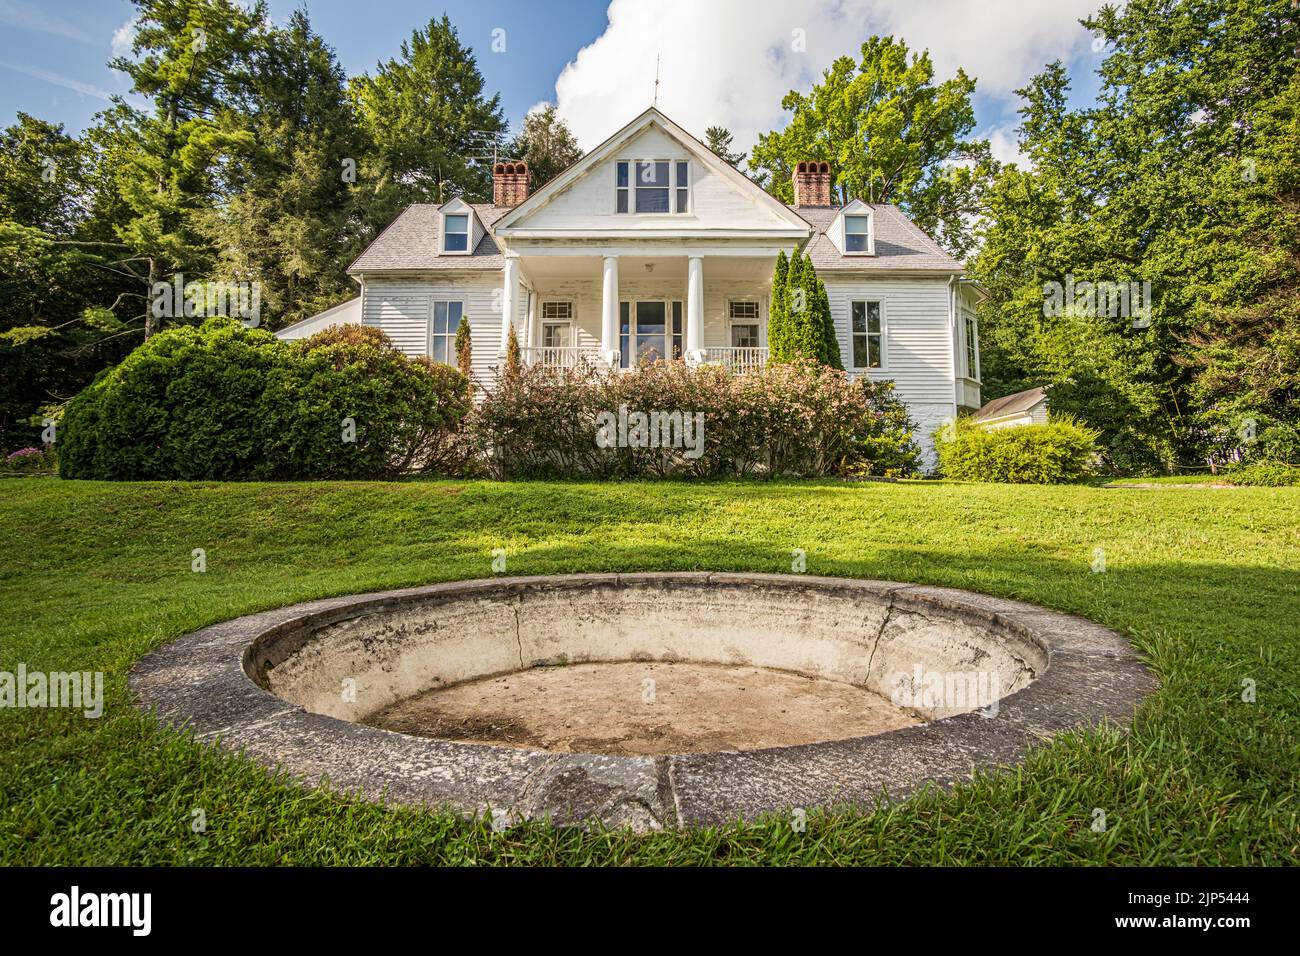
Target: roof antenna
655 101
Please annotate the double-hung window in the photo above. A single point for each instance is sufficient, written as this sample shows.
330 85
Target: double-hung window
744 324
857 234
455 233
556 324
442 331
868 335
972 347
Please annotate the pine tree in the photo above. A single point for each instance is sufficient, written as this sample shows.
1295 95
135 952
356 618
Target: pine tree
290 223
778 313
465 353
193 60
830 339
513 361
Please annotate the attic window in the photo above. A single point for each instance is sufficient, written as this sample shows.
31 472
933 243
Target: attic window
857 234
455 233
652 186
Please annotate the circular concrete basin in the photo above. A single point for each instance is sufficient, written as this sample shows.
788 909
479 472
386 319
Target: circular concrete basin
643 699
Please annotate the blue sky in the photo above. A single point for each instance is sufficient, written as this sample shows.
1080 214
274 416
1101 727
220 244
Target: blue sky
724 62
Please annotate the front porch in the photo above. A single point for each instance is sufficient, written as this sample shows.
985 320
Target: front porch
629 311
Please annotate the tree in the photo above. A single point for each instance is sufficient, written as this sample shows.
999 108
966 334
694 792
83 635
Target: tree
1161 181
718 139
546 144
289 223
800 325
891 135
465 353
429 120
55 282
192 59
513 360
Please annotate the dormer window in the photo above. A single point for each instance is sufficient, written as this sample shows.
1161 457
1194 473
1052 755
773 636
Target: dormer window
857 234
652 186
455 233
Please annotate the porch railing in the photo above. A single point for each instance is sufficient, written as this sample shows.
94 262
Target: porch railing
739 360
569 356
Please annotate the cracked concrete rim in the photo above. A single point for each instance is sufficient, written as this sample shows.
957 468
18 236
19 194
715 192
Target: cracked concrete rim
199 683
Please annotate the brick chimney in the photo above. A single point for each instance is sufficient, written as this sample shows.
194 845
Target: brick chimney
812 184
509 183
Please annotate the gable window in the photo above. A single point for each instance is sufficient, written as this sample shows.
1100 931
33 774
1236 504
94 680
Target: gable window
442 331
857 233
868 335
620 186
455 233
744 324
972 347
652 186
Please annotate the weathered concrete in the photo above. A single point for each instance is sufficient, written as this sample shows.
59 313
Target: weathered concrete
645 708
1056 673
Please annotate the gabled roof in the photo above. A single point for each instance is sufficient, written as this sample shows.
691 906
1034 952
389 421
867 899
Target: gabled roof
411 242
606 150
1015 404
900 244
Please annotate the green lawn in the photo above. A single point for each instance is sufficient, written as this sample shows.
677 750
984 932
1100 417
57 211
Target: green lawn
1206 583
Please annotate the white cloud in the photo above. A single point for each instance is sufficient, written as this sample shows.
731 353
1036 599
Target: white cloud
730 62
58 79
123 37
26 16
1005 145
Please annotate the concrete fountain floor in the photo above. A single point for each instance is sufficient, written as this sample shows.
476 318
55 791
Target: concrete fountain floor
645 700
645 708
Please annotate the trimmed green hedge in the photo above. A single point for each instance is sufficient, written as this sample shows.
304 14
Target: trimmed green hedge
1263 476
1060 451
224 402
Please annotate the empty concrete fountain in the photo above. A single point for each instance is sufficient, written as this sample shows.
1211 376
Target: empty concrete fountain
645 700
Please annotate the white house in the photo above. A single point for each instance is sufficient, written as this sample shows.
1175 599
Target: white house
651 246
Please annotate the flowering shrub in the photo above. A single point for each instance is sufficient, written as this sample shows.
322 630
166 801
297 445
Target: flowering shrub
1060 451
29 461
798 419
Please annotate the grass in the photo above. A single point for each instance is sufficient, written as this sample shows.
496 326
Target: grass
93 575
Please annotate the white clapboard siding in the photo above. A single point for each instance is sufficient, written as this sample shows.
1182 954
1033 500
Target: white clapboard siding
404 318
397 305
918 337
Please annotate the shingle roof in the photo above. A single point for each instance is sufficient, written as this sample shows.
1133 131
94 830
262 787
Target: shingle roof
900 243
411 242
1011 404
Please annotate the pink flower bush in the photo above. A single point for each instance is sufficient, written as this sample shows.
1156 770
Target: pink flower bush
799 419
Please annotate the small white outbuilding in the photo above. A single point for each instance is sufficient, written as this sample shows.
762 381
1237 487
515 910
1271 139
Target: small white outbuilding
1023 408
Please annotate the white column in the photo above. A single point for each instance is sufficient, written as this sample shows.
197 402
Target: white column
695 309
609 312
530 334
509 298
